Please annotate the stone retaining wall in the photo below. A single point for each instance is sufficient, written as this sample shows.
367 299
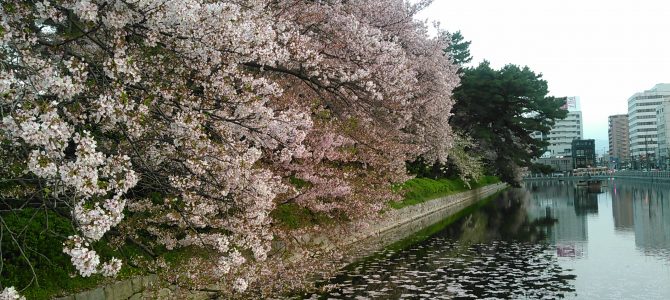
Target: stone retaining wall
125 289
398 224
449 207
394 225
397 217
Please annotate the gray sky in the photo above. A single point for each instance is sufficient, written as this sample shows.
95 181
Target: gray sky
602 51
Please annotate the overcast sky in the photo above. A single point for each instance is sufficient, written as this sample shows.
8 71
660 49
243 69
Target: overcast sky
602 51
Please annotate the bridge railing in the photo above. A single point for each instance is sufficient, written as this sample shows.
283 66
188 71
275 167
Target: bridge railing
643 174
618 174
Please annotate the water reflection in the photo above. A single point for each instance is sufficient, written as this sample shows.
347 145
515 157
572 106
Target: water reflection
548 240
645 209
568 205
444 269
622 208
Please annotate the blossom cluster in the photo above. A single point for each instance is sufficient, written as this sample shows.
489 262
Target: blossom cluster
87 261
183 122
10 293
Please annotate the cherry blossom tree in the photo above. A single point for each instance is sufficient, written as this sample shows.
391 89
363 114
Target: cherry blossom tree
181 123
379 93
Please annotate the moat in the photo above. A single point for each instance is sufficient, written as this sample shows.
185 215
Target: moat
547 240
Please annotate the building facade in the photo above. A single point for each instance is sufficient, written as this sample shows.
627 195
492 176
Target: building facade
584 153
565 131
559 164
663 123
618 140
642 123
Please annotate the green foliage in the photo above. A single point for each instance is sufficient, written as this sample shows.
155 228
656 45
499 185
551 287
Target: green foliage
35 232
541 169
419 190
462 162
458 49
422 169
500 109
299 183
467 163
294 216
182 256
9 7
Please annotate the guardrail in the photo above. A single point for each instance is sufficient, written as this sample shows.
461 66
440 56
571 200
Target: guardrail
642 175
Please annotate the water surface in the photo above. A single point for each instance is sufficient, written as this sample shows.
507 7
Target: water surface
549 240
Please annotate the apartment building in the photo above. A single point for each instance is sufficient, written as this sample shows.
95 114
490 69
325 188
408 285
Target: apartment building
642 121
663 125
565 131
618 139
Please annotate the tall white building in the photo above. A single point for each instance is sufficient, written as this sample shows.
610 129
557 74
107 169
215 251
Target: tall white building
642 121
663 124
565 131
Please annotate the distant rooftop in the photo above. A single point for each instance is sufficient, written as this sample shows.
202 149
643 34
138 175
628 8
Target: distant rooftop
661 87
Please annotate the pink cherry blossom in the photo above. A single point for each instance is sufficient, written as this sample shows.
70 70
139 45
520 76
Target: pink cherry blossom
182 123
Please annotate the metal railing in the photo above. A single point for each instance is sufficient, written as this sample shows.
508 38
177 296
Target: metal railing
660 175
642 174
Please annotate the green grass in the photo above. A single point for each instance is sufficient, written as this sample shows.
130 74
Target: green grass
415 191
419 190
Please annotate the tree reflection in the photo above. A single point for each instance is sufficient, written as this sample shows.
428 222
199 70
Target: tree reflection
497 251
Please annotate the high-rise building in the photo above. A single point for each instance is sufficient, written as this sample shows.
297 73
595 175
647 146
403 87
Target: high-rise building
565 131
642 126
663 123
618 139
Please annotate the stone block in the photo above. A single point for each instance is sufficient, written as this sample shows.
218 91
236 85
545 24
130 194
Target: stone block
137 284
137 296
96 294
149 280
110 292
123 290
199 296
164 294
81 296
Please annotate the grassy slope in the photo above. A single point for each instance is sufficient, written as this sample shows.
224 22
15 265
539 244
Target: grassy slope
420 190
415 191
